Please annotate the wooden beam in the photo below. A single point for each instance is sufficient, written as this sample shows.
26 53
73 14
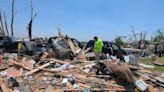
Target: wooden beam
19 64
57 61
37 69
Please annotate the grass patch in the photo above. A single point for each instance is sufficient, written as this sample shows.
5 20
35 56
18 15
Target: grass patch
162 57
159 68
148 61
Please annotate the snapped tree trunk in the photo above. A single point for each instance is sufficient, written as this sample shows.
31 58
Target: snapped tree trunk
33 15
6 26
12 20
1 27
30 29
1 23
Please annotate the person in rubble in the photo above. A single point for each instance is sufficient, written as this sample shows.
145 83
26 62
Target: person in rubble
19 48
143 49
160 50
98 45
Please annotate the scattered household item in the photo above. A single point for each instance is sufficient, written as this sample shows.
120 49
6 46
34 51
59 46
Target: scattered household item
141 85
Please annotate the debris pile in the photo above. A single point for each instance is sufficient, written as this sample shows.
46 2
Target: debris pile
26 75
73 73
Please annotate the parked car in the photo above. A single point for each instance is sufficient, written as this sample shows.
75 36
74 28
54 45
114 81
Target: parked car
5 40
159 48
61 47
9 45
39 42
108 47
28 47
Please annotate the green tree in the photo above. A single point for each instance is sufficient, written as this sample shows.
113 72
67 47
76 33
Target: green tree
119 41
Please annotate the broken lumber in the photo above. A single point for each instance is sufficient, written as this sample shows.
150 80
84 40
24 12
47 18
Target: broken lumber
69 42
44 56
19 64
72 46
37 69
93 90
81 56
3 86
159 63
84 79
157 83
57 61
50 70
146 66
100 76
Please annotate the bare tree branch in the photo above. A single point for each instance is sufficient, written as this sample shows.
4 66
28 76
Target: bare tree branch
16 12
145 35
31 9
141 36
34 16
135 35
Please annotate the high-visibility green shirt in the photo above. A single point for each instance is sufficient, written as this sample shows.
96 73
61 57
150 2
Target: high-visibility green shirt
19 47
98 45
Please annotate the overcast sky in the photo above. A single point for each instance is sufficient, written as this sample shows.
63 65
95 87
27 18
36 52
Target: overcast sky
83 19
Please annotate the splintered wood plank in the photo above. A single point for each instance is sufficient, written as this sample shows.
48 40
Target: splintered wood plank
37 69
72 46
44 56
57 61
4 87
81 56
21 64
